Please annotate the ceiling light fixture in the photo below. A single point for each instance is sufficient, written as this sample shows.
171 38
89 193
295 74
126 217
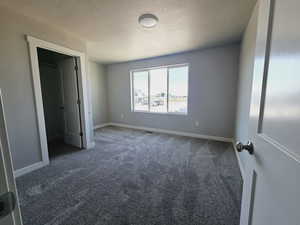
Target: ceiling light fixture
148 20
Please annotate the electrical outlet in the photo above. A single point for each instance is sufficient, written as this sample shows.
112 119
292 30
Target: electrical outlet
197 123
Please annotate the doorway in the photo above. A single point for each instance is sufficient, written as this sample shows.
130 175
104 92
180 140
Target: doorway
77 61
61 101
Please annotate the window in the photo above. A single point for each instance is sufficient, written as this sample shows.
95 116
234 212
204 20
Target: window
141 92
178 89
160 90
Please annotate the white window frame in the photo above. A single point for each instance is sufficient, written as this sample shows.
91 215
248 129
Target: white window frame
147 69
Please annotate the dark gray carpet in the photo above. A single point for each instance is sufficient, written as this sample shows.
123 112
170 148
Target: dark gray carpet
136 178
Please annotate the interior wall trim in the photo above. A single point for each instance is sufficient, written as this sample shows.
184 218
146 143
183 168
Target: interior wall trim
179 133
34 44
186 134
41 164
30 168
101 125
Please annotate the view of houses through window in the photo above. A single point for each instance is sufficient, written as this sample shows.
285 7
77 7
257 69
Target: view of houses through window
160 90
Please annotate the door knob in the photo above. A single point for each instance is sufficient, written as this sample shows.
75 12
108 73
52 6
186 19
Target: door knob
248 147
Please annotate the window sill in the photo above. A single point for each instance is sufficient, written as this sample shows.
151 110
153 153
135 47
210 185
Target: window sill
161 113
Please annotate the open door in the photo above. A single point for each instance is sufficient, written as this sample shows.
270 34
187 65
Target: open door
271 194
9 207
73 130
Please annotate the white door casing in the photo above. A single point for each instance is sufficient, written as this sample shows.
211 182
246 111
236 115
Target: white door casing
7 181
71 108
272 195
34 44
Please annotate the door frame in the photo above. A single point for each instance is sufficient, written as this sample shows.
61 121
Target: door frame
34 44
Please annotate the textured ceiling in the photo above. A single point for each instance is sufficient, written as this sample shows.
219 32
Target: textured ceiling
113 34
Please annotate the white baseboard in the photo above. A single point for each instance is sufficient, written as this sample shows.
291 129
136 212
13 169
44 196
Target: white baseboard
38 165
28 169
41 164
101 125
179 133
188 135
239 160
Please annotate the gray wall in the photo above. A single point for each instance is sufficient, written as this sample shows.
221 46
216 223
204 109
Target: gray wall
98 92
212 92
245 82
16 81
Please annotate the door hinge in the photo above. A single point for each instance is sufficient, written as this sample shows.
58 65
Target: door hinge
81 134
76 68
78 101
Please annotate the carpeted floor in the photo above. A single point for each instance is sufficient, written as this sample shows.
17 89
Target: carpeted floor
136 178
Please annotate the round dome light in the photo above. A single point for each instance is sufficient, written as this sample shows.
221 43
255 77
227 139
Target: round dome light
148 20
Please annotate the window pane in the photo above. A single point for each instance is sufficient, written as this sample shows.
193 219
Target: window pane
158 90
178 89
140 85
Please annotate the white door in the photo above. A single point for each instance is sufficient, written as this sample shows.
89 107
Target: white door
271 194
73 135
9 207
